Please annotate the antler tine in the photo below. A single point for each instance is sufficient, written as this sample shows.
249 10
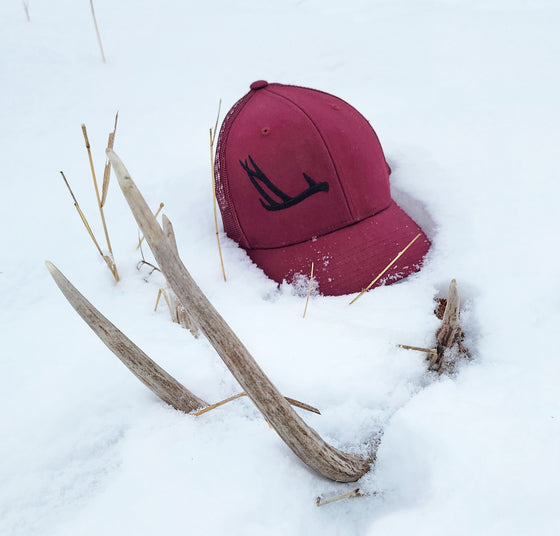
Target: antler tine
147 371
302 439
183 316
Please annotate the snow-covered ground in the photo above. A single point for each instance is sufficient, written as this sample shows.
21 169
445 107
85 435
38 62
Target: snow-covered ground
464 97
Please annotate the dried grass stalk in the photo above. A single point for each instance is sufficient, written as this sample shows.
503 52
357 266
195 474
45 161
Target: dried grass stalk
161 292
386 268
110 260
354 493
212 171
309 289
97 32
428 351
156 214
107 170
26 8
107 259
292 401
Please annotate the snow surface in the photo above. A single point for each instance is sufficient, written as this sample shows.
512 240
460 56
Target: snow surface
464 97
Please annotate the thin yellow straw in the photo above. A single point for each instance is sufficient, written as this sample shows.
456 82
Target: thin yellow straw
309 289
386 268
212 139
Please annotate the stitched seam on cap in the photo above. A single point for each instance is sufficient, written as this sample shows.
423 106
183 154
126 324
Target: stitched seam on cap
324 143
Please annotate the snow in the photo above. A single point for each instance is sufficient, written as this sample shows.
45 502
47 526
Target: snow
464 97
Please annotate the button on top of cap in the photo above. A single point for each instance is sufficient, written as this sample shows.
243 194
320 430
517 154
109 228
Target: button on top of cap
259 84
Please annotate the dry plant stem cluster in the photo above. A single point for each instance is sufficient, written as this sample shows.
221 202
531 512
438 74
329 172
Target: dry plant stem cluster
449 334
109 259
213 133
97 195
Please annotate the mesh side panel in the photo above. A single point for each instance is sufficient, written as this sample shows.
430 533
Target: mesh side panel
223 195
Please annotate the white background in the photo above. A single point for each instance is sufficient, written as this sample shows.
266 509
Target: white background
464 97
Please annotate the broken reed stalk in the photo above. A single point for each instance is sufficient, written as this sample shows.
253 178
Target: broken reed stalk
218 404
97 32
161 292
292 401
386 268
309 289
82 216
212 139
112 266
429 351
107 170
156 214
26 7
450 332
354 493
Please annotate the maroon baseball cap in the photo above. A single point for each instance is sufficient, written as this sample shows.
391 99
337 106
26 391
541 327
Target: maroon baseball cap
301 178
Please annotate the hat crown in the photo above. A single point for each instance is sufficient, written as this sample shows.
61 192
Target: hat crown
294 163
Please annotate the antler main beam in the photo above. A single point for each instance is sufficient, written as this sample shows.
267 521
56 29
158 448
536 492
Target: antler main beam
147 371
301 438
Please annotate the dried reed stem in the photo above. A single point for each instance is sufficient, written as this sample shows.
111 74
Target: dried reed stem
429 351
26 7
386 268
97 31
292 401
100 206
218 404
107 170
212 139
82 215
156 214
309 288
354 493
161 292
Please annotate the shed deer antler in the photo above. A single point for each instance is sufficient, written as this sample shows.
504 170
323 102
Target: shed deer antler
301 438
147 371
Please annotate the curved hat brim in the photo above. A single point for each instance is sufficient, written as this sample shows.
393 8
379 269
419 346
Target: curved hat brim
349 259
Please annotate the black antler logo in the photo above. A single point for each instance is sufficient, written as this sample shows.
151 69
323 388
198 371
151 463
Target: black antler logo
260 180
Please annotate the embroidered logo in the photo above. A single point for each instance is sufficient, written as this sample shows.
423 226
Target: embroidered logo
261 183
